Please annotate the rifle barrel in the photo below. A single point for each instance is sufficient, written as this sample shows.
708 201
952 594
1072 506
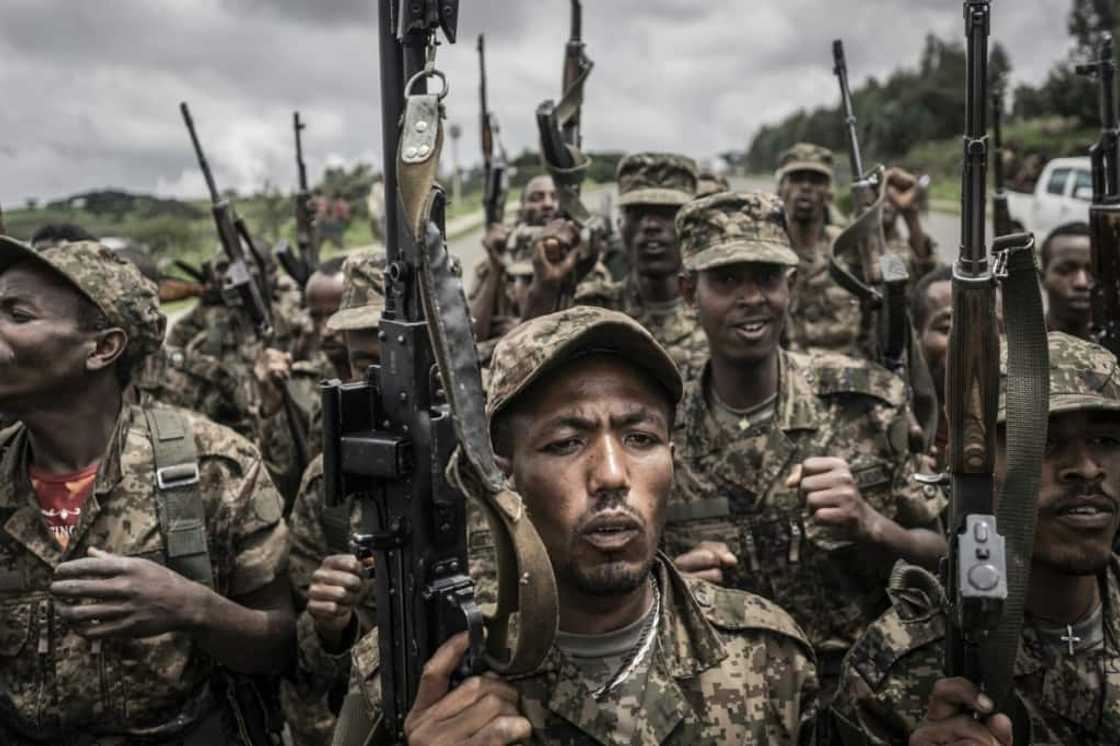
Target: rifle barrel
577 21
299 126
841 70
392 93
202 164
973 193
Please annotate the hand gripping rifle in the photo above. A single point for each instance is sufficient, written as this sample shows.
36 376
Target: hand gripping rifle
1104 214
990 552
300 268
239 286
882 290
1001 211
411 440
494 167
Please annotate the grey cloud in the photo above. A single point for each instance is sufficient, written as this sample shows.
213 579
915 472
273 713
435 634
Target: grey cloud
91 89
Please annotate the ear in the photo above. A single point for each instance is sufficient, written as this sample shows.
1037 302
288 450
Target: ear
108 347
791 283
505 463
686 283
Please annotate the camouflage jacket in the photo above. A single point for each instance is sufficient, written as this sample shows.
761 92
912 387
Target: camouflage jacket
730 487
319 673
823 317
678 331
728 668
889 674
916 266
55 686
274 433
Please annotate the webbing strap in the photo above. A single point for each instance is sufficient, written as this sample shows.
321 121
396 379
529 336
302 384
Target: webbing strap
182 517
354 726
1028 405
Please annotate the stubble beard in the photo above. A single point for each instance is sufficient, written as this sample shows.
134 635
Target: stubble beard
611 578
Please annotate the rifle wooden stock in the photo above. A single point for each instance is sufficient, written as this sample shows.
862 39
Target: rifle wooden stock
171 290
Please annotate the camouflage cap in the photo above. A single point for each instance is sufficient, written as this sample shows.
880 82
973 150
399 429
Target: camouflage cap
541 344
709 183
731 228
113 284
656 179
363 295
805 157
1083 376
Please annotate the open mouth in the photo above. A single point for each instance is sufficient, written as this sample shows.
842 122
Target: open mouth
612 532
1087 513
752 329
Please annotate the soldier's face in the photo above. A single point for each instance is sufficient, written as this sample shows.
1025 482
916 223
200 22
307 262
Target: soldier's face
805 195
592 458
538 204
43 348
934 333
651 239
364 349
324 294
1068 277
742 309
1079 498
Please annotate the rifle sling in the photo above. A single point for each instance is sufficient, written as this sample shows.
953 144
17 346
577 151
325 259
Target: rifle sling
525 580
1028 398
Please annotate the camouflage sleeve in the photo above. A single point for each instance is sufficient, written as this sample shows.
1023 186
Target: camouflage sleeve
917 505
309 545
597 290
481 273
260 535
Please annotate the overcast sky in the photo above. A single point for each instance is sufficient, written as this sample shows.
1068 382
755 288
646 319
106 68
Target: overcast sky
91 89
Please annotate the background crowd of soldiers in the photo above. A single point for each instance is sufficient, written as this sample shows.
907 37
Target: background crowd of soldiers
729 450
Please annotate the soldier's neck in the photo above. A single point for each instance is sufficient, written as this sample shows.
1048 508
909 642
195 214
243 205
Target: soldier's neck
585 614
1060 598
806 236
74 433
742 385
658 288
1077 326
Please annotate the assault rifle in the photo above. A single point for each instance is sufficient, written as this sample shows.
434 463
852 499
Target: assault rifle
990 551
494 167
1001 211
1104 214
882 289
411 439
301 267
243 288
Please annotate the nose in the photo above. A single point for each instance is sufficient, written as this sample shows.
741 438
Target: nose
607 472
1081 463
1082 279
748 293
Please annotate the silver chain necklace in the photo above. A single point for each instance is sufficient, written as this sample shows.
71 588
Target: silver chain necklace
639 651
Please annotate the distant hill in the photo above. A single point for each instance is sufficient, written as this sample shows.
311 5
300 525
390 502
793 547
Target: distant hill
117 203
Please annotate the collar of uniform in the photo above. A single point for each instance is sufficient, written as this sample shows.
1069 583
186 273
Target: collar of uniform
686 641
797 407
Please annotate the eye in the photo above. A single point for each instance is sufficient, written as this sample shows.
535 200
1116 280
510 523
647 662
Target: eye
642 441
563 447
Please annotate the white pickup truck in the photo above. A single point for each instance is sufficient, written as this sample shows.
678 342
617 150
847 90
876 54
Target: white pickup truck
1062 195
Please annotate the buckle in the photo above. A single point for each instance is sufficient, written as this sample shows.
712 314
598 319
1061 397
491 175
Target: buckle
180 475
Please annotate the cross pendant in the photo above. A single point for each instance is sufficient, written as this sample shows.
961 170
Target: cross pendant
1070 638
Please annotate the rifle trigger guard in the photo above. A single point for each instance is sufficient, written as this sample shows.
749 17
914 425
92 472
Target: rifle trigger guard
428 72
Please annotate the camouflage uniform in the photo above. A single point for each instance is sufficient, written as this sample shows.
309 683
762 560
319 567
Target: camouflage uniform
727 667
56 686
889 674
822 316
518 253
653 179
730 479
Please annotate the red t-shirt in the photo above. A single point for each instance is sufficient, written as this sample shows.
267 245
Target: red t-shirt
61 498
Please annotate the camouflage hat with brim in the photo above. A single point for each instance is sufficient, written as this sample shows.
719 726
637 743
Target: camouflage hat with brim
733 228
1083 376
532 349
805 157
656 179
363 295
128 300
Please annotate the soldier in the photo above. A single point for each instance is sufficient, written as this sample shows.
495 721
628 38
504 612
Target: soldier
652 188
823 316
334 605
143 551
1067 673
581 408
918 248
491 305
793 477
1067 278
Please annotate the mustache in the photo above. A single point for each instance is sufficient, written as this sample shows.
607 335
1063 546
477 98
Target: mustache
1084 493
610 508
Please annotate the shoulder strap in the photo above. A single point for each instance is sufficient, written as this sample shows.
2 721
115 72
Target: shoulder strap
182 518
